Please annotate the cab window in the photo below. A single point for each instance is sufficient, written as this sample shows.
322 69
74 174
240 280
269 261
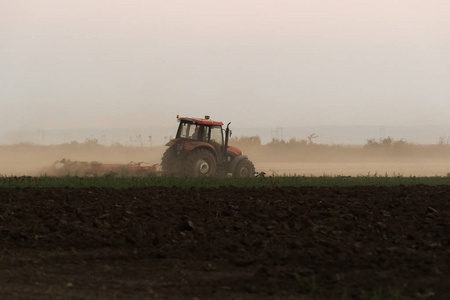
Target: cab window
193 131
183 131
216 134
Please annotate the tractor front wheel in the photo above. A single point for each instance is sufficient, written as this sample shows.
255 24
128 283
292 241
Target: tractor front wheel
201 162
244 169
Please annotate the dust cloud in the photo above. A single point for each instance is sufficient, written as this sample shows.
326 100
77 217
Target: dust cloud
384 157
294 157
34 160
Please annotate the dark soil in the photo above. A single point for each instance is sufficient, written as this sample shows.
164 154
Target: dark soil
225 243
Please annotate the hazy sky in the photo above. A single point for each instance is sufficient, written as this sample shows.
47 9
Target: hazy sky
261 63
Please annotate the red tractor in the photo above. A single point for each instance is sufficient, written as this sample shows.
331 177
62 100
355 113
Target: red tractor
201 149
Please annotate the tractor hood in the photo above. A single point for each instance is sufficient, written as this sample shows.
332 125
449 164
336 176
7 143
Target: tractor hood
235 150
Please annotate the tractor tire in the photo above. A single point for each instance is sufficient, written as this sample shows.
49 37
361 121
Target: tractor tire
201 162
244 169
171 162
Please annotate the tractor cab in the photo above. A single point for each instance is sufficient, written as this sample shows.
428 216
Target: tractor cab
201 131
197 130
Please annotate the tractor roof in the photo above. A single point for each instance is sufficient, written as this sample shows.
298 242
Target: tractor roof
201 121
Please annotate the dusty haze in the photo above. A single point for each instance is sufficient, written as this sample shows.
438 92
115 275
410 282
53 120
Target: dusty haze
72 65
281 158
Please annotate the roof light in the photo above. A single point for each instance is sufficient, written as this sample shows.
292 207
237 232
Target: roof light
207 117
178 116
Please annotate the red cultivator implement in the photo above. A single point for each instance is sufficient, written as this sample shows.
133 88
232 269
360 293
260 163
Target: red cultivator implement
81 168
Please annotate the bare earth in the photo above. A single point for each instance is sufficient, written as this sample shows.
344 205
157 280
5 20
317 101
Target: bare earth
225 243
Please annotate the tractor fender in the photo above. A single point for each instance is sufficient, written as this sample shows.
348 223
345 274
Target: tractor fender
235 161
190 147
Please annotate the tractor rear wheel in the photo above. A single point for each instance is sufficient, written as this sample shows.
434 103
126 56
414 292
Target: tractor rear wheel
244 169
171 162
201 162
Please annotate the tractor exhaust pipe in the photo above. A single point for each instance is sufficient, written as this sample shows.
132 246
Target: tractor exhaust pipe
227 135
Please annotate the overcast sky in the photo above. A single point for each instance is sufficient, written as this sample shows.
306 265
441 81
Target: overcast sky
139 63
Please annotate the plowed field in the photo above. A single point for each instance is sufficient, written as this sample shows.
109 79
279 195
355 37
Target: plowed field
225 243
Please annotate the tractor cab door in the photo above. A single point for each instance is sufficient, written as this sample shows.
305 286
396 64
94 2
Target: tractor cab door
216 140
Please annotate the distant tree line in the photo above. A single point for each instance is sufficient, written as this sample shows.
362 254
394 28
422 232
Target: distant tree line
308 150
